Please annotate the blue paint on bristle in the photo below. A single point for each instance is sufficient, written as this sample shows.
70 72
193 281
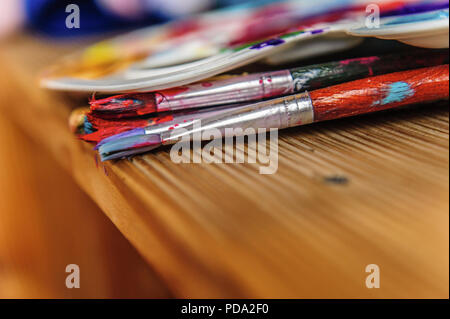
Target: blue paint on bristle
133 132
87 126
127 143
107 157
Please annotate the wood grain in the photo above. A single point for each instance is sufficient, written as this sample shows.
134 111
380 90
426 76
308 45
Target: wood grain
47 223
347 193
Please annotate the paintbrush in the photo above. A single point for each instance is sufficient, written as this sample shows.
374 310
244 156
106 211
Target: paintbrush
94 129
262 85
352 98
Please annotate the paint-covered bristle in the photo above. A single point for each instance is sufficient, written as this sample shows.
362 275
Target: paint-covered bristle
98 128
87 126
125 105
104 133
133 132
118 155
129 143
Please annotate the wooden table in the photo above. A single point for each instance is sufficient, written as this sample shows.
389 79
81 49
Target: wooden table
347 193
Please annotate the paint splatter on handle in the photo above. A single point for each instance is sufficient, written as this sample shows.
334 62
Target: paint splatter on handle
381 92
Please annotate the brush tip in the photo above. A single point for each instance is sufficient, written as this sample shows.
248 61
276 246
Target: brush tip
125 105
129 145
132 132
128 153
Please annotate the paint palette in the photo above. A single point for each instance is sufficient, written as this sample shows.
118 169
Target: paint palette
327 44
427 29
135 79
184 52
146 65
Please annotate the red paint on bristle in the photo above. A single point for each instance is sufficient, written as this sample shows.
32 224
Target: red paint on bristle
133 104
124 105
106 128
103 133
101 123
379 92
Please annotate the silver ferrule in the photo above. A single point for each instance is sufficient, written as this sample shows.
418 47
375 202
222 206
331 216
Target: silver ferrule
233 90
277 113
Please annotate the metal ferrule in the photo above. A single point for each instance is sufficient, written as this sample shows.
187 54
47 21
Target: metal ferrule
237 89
278 113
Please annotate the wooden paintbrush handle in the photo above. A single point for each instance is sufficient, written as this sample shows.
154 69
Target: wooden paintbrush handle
317 76
381 92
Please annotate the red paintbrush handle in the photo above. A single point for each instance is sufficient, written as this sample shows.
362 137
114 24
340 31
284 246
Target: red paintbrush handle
381 92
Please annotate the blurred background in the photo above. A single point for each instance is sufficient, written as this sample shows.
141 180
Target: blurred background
47 16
